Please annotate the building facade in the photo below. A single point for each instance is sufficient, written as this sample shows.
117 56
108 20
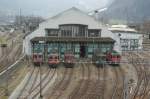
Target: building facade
129 39
70 30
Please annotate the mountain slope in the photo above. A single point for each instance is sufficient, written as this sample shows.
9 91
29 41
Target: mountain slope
131 10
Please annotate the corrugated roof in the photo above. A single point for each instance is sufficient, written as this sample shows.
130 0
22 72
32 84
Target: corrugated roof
70 39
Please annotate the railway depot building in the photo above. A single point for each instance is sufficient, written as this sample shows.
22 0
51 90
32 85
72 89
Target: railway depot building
129 39
70 30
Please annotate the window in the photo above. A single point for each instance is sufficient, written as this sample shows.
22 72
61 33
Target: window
124 42
119 34
73 30
149 36
38 48
52 32
129 44
94 33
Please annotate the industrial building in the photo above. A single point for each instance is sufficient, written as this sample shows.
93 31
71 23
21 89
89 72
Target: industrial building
71 30
129 38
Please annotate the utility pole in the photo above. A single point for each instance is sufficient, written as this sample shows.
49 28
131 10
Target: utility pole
41 97
126 88
4 47
7 74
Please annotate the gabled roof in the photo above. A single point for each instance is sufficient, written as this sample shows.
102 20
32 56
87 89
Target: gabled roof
71 16
71 9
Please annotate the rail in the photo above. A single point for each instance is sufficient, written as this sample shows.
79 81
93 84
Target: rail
11 66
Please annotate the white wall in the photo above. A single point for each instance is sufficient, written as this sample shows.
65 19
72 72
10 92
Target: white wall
106 33
26 42
132 36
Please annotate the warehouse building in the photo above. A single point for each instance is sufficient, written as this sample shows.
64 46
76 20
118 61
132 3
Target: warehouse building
70 30
129 39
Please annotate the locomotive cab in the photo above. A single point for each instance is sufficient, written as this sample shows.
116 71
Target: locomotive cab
69 59
113 58
37 59
53 60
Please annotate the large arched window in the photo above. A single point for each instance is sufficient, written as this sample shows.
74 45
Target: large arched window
73 30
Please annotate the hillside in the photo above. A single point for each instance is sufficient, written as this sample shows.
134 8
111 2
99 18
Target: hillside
131 10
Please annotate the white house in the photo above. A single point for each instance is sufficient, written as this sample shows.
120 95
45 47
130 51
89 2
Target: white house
129 39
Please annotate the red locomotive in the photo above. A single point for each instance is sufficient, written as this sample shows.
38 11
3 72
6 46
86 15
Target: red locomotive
69 59
53 60
37 58
113 57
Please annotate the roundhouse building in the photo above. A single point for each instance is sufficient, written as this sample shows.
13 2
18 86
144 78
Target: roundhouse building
70 30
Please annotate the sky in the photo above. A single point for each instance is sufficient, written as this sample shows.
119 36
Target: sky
48 8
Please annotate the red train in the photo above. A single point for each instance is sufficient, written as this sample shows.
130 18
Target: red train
53 60
113 57
69 59
37 58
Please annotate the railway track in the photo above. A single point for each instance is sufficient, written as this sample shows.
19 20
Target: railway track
43 79
147 92
146 78
81 89
9 59
31 89
134 62
28 80
35 93
62 85
2 92
96 91
142 83
4 61
118 92
32 83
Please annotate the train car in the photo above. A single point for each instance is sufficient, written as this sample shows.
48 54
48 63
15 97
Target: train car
37 59
113 57
99 58
69 59
53 59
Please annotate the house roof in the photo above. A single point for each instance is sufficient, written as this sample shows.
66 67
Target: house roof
122 29
70 39
71 16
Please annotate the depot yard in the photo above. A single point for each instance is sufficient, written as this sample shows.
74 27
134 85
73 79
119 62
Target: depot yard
9 55
86 81
64 38
15 76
